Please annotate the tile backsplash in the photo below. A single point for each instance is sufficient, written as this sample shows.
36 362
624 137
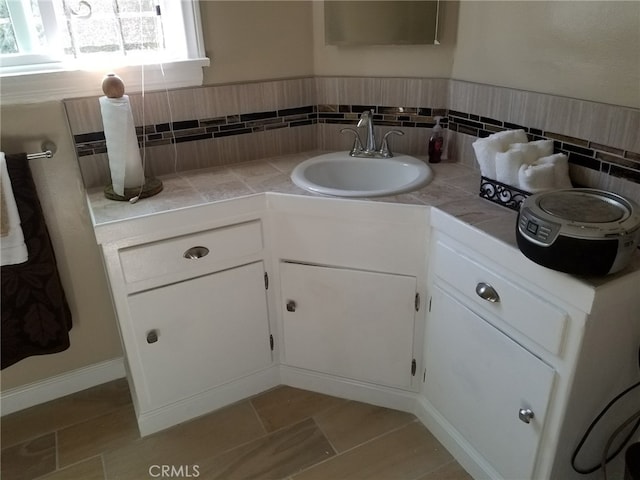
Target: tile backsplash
240 124
582 152
195 129
219 125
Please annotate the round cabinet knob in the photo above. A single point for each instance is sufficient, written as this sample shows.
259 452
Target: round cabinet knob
196 252
487 292
526 415
291 306
152 336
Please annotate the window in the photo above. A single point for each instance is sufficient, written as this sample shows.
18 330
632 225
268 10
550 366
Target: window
84 36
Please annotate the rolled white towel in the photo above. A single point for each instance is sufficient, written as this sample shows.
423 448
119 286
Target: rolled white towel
508 137
537 178
560 164
508 165
533 150
485 155
487 148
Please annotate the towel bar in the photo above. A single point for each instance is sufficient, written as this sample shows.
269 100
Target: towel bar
48 150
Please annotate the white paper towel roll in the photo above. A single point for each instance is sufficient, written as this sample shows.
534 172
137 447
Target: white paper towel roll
122 144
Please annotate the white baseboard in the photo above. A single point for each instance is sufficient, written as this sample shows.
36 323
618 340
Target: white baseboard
208 401
51 388
349 389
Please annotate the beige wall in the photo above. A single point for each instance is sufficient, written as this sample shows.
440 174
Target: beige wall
94 337
387 60
257 40
580 49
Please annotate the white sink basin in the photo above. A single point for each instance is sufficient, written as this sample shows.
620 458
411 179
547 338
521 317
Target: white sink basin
341 175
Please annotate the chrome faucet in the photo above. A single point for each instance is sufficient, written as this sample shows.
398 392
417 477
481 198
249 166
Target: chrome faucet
366 120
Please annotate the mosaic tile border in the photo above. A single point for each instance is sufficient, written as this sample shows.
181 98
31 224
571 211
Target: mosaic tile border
240 124
203 129
602 158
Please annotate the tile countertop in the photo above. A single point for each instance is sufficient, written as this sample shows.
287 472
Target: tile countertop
453 190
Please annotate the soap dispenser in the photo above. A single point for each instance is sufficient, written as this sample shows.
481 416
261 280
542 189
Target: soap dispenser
436 142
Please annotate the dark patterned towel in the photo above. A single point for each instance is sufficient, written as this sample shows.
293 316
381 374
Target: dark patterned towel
35 315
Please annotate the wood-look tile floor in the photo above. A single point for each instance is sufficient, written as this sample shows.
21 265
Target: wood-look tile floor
283 433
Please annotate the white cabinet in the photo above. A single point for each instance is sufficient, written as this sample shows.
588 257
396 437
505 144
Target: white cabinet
490 389
350 323
353 270
193 312
199 324
201 333
504 337
486 337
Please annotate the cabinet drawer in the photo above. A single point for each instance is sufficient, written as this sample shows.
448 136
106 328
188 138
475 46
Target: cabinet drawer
531 315
155 259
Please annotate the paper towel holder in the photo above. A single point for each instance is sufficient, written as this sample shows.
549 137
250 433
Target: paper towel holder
113 87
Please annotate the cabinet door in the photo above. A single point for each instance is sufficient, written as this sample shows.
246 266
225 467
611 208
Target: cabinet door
350 323
479 379
201 333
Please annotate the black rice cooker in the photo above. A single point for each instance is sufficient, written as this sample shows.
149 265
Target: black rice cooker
582 231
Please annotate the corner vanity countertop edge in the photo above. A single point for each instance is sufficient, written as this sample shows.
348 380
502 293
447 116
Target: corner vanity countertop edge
204 199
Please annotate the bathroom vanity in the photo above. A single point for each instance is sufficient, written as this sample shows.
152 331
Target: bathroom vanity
399 305
519 359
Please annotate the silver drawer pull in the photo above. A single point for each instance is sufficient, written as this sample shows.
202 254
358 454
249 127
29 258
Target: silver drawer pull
196 252
487 292
526 415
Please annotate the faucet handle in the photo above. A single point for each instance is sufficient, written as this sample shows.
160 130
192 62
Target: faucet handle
385 151
366 119
357 144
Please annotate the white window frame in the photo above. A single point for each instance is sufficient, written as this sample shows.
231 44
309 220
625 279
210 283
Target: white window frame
38 82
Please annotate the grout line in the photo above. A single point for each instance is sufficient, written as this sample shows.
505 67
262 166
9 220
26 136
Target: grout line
227 450
57 449
335 451
59 469
334 407
253 407
265 436
324 434
377 437
439 467
56 467
340 454
104 466
26 440
194 189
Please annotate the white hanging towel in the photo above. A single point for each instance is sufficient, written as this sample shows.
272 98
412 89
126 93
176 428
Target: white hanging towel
13 250
122 144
